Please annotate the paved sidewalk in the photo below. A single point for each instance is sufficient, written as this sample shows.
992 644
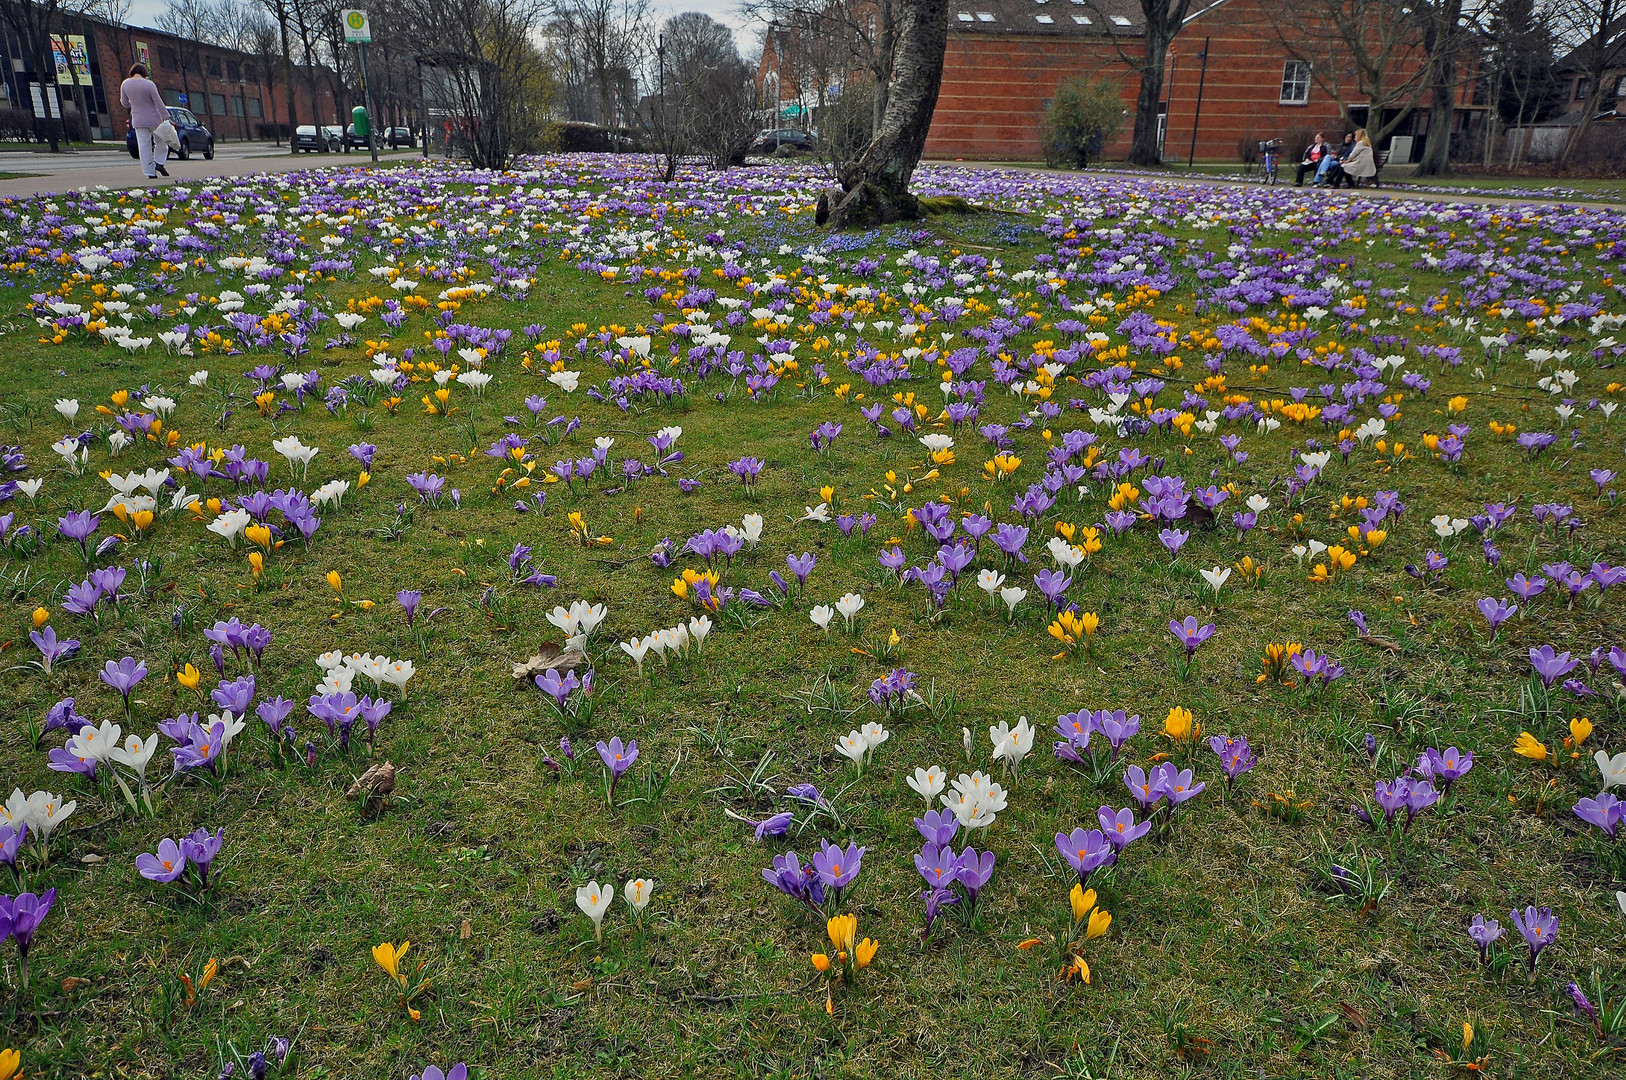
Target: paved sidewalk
113 166
1196 180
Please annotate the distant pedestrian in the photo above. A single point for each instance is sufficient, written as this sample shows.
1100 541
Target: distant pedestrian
1311 159
140 95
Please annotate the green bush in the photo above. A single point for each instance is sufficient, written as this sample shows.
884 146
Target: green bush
1083 117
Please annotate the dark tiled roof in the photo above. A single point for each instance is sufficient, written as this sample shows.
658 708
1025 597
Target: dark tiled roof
1068 18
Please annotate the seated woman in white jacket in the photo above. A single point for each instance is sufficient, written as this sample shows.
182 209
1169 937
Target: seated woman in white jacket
1361 164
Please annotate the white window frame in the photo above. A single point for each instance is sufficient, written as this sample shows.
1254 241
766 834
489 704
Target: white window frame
1300 78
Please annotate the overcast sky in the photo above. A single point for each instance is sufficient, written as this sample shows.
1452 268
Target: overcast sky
146 13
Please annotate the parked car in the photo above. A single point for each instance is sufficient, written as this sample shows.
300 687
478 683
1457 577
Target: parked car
398 137
352 140
309 140
767 142
195 138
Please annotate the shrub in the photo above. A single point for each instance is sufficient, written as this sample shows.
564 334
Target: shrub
1084 116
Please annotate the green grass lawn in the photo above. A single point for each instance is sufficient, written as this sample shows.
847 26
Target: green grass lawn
1231 952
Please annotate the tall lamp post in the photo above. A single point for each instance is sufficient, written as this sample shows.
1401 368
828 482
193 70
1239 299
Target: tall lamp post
1191 158
242 106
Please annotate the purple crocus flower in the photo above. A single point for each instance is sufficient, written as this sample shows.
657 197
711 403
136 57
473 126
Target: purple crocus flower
556 686
1236 757
274 712
975 871
938 827
51 648
201 848
1603 810
1525 588
164 867
1117 728
1173 539
1143 788
124 676
777 825
837 867
1052 583
1485 933
1085 851
1446 767
936 900
937 864
1496 612
1550 666
78 527
617 758
1176 784
23 915
790 877
11 841
1189 634
1539 926
1119 827
409 599
801 566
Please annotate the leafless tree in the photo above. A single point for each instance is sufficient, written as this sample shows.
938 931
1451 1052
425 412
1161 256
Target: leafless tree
490 78
1597 31
1362 53
601 44
875 188
33 22
281 14
819 45
1162 20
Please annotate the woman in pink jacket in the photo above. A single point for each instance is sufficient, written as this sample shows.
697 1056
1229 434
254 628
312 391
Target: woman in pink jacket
140 95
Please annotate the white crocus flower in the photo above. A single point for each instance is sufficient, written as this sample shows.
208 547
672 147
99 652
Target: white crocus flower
95 743
1012 744
820 513
751 529
1216 578
821 616
1612 768
565 380
31 488
1258 503
874 735
594 902
928 783
848 606
396 673
637 893
853 746
698 629
637 648
136 753
68 408
989 582
1012 596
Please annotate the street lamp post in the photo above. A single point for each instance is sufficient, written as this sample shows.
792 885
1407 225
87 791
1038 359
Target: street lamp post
242 106
1191 158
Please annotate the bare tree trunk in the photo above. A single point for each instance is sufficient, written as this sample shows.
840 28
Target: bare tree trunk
877 186
1143 148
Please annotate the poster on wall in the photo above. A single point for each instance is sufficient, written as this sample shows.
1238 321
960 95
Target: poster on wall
72 58
142 56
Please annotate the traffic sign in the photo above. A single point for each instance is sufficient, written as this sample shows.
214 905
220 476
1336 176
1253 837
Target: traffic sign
356 28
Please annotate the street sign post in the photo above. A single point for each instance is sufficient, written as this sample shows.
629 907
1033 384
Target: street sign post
359 32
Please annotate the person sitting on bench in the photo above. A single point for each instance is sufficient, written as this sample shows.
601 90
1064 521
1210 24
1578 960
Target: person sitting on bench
1361 164
1311 160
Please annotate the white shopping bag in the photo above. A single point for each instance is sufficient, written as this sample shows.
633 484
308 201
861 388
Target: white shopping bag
166 134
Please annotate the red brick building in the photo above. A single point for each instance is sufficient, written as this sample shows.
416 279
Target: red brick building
1005 59
237 95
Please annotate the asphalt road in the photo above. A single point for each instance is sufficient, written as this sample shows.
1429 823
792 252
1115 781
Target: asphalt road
115 168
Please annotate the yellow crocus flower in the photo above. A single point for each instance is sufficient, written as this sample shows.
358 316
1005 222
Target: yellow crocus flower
1529 746
189 677
388 957
1099 921
11 1064
41 617
821 962
866 952
842 930
1081 901
335 580
1580 728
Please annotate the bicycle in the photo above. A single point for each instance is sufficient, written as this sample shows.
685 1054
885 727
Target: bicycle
1270 150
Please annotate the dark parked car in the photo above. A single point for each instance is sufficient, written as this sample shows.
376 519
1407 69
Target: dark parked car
195 138
398 137
354 141
767 142
308 140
